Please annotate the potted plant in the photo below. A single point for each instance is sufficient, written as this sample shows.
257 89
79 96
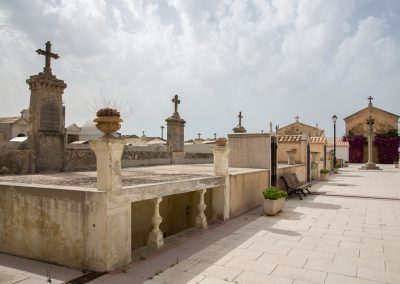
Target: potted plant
336 169
221 141
108 120
324 174
346 164
274 200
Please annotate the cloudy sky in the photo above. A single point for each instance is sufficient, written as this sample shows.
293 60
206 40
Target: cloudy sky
270 59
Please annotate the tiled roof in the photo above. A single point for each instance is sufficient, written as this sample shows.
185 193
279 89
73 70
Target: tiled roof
289 138
9 119
317 140
339 142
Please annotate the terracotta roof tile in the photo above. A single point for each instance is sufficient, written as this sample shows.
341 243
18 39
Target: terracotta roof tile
339 142
289 138
317 140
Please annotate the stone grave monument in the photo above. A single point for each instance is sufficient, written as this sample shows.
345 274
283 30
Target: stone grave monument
46 117
239 128
175 131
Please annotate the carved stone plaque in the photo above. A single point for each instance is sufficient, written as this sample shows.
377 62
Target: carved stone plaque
49 118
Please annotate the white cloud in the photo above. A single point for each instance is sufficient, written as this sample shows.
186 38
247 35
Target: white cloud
271 59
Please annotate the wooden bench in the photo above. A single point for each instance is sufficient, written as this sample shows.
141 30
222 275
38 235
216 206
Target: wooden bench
293 185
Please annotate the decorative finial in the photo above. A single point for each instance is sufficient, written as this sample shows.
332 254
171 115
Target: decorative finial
270 127
297 118
240 118
176 101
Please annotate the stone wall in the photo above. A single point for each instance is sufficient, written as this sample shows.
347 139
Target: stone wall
246 191
299 170
50 224
81 157
14 158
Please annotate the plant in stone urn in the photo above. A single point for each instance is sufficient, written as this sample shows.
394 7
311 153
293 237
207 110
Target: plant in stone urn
324 175
108 120
274 200
221 141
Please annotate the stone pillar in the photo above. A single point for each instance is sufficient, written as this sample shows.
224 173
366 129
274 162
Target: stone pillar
108 156
201 220
220 194
46 131
156 239
111 245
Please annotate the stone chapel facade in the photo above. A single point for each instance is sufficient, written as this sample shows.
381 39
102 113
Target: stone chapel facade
384 123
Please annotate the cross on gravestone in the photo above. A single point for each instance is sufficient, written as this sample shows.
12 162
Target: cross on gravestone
297 118
176 101
48 55
199 134
370 99
240 118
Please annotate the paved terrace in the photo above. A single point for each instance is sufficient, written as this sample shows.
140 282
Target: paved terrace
322 239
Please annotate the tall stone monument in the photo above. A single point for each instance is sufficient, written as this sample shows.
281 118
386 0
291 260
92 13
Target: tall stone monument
175 131
370 165
46 130
239 128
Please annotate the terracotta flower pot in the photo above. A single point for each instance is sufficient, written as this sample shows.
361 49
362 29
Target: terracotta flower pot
108 124
221 142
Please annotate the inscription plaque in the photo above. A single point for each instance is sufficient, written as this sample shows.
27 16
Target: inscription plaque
49 118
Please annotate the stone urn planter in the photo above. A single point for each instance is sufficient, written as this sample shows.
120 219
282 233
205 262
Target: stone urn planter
336 170
108 121
221 142
274 201
323 175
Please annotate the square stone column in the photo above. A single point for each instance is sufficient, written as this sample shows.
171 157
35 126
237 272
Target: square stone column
108 156
111 243
220 195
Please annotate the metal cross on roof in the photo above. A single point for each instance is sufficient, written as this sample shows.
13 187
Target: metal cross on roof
370 99
199 134
176 101
240 118
215 136
48 55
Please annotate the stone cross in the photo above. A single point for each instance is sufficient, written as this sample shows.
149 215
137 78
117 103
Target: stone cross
240 118
176 101
270 126
370 99
297 118
48 55
199 134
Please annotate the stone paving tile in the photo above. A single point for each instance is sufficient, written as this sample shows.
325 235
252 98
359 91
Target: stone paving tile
248 277
299 274
377 275
177 277
359 261
327 266
252 265
371 247
295 261
335 279
270 249
212 280
290 244
337 250
392 266
245 253
216 271
315 241
311 255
